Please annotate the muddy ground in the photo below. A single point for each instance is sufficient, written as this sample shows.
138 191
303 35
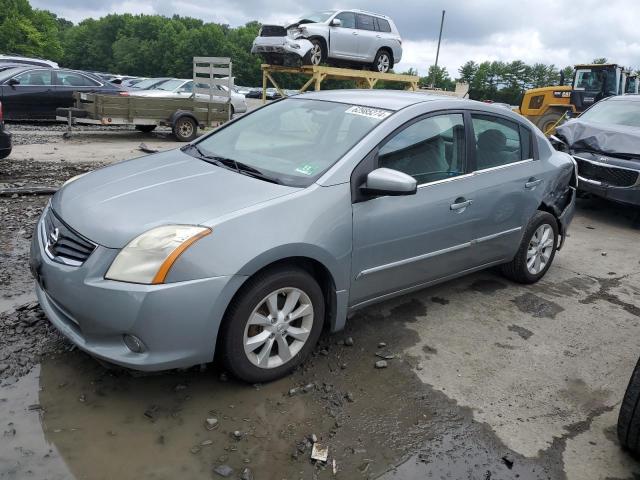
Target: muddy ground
485 379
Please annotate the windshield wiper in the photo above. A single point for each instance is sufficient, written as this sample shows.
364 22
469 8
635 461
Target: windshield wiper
231 164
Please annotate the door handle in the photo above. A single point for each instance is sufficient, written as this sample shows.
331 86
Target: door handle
460 204
533 182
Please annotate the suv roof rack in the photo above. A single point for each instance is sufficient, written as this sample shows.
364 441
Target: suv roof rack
357 10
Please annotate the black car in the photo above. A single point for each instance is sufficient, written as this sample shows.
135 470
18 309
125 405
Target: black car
34 93
605 143
5 138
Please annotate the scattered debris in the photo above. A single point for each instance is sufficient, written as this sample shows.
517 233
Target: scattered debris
206 443
237 434
386 356
348 341
381 364
313 438
143 147
382 345
604 254
508 461
320 452
223 470
334 467
350 398
246 474
211 423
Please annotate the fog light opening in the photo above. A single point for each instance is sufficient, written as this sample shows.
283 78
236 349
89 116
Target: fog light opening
133 343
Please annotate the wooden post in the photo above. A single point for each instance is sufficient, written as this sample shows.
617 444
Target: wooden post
264 86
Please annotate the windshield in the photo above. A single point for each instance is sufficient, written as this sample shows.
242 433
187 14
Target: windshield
318 17
614 112
170 85
143 84
295 140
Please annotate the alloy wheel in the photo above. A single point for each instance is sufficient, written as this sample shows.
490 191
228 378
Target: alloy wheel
316 54
185 129
278 328
383 63
540 249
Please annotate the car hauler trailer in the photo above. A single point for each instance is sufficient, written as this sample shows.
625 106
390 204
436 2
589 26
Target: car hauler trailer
184 116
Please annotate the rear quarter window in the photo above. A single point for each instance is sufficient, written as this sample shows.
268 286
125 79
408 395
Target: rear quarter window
383 25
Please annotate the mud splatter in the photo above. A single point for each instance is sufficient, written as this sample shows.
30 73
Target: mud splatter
537 306
604 294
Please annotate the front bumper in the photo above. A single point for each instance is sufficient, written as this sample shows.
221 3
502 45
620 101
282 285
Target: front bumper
629 195
282 46
177 322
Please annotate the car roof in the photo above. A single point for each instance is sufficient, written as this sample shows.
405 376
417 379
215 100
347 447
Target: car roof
627 97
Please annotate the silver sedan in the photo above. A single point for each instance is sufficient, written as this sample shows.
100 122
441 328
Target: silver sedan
252 239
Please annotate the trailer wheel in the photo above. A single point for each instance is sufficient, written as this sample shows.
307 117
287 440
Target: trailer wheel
185 129
146 128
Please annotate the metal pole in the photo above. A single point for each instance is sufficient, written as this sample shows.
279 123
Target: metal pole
439 40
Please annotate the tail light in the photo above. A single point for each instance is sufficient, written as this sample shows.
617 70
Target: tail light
124 94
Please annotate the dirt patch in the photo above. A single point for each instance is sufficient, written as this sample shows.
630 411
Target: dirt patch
537 306
521 331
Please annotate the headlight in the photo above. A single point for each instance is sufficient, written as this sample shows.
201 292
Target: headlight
148 258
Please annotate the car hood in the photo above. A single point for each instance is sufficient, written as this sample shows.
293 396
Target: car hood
113 205
615 140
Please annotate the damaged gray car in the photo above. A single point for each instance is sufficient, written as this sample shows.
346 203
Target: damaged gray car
250 241
605 143
335 37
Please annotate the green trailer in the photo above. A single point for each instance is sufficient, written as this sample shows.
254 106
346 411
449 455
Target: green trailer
184 116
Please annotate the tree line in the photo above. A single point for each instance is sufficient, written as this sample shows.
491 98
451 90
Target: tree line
154 45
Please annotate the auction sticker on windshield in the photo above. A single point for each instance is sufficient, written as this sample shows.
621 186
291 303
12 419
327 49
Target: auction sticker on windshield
377 113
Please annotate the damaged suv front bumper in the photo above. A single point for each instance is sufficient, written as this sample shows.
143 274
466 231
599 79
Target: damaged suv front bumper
285 47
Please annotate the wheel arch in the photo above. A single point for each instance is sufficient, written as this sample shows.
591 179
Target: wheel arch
389 50
178 114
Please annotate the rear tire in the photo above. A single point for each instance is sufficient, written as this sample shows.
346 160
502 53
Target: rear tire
185 129
383 62
146 128
537 250
629 417
255 352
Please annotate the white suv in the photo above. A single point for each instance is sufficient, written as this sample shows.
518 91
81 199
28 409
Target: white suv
333 36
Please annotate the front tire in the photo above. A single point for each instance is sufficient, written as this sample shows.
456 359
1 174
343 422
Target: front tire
537 250
272 324
629 417
317 55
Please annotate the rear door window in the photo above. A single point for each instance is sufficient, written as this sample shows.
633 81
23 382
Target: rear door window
499 141
72 79
365 22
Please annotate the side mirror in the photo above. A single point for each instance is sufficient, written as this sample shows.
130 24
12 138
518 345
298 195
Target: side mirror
13 82
336 22
385 181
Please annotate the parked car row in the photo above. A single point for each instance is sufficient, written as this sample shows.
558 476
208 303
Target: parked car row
5 138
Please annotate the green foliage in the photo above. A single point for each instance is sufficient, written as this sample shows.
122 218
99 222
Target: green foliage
29 31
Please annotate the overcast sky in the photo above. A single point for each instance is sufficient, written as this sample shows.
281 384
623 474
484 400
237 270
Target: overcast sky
563 32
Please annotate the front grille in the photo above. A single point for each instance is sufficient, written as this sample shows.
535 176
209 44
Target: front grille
611 175
62 243
273 31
